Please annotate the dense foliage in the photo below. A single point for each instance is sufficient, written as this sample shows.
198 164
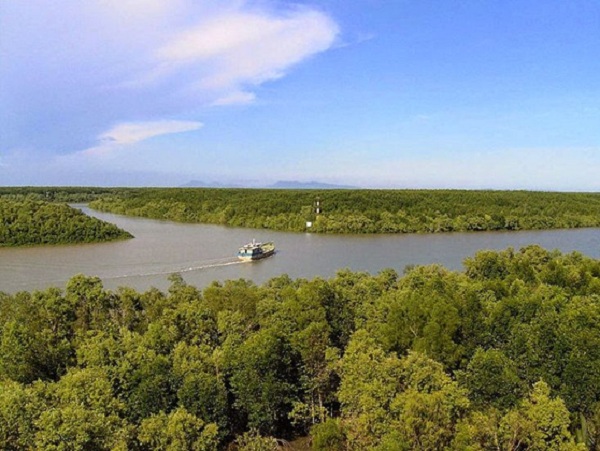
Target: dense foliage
361 211
71 194
24 222
502 356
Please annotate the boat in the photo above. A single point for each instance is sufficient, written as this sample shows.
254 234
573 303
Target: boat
256 251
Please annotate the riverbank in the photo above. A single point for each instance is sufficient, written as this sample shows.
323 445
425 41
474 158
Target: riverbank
361 211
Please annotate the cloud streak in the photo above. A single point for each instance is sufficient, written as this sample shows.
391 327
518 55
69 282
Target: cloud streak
126 134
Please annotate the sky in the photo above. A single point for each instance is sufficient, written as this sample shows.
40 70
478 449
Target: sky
474 94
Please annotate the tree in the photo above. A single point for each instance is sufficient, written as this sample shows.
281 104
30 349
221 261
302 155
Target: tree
263 376
141 377
17 355
429 405
178 430
202 390
298 313
492 379
328 436
538 423
590 432
253 441
369 384
19 409
90 300
82 414
479 432
409 401
422 314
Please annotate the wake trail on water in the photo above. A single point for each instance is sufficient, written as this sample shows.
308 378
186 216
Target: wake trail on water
204 265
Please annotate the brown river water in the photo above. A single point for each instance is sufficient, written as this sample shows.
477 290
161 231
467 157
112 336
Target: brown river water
204 253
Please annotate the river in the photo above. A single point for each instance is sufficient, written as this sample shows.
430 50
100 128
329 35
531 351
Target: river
205 253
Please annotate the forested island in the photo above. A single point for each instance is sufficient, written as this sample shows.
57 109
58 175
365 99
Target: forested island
25 221
504 355
360 211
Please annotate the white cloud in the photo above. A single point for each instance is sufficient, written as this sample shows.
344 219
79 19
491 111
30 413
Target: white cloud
127 134
235 98
228 50
248 47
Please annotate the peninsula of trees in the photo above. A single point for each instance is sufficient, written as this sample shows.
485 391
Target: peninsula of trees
360 211
24 221
504 355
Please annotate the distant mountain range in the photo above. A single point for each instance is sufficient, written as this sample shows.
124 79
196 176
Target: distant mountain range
202 184
292 184
281 184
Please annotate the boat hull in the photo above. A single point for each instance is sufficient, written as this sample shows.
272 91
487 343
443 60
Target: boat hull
256 251
256 257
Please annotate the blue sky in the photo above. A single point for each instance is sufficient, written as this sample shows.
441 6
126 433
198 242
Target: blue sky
372 93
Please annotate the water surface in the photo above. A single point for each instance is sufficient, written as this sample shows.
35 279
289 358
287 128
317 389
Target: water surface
203 253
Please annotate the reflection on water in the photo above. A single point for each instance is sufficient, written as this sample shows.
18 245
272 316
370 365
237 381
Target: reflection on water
203 253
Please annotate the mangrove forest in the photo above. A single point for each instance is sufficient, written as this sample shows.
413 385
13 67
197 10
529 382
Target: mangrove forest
360 211
26 221
504 355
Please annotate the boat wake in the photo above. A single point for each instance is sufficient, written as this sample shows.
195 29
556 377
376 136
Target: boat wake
205 265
